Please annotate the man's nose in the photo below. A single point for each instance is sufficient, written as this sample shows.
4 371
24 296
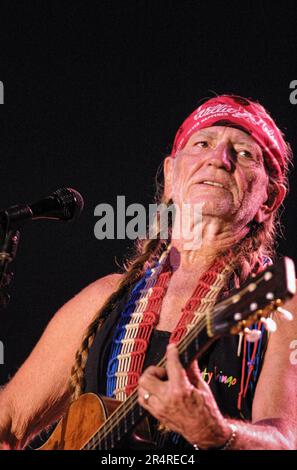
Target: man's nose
222 156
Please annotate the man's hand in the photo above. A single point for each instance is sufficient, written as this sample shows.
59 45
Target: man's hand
183 402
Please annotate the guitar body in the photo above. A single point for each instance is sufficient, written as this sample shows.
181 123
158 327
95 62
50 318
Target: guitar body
83 419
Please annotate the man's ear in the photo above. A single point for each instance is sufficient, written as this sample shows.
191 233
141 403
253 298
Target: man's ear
276 195
168 177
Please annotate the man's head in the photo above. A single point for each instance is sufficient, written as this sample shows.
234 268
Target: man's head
247 115
230 155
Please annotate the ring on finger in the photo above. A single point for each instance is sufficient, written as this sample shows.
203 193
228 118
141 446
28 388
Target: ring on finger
146 397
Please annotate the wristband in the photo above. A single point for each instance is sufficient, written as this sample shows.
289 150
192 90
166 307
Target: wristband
227 444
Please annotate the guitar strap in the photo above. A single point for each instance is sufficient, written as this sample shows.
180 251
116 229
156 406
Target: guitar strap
141 314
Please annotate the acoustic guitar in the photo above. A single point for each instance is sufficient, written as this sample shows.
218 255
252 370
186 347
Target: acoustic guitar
101 423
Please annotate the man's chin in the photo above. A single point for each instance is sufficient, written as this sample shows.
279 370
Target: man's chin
218 208
211 197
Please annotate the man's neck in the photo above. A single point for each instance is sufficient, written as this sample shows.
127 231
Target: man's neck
215 238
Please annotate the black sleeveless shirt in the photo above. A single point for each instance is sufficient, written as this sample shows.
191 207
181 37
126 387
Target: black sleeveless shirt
220 366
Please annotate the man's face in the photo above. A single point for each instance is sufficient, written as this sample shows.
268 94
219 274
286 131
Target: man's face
223 168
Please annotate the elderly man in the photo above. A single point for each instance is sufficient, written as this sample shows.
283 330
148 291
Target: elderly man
230 157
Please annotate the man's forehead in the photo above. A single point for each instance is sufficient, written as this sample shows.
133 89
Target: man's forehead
217 131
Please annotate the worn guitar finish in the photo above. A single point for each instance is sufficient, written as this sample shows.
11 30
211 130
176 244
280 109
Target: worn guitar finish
103 423
83 419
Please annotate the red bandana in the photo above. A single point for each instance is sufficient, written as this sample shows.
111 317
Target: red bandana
251 116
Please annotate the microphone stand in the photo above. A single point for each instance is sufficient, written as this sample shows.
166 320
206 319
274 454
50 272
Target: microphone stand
64 204
9 240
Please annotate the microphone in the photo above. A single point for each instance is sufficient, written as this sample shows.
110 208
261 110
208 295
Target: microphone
65 204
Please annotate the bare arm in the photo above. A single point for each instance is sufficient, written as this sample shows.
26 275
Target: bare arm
38 393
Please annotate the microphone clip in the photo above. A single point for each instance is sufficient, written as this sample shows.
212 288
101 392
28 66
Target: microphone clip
9 240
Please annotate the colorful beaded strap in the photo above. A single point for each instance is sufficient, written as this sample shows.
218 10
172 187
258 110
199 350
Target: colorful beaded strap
141 314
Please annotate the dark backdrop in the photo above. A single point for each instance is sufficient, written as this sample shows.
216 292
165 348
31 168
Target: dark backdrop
94 92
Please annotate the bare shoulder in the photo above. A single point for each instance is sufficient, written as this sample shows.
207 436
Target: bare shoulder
286 329
104 286
40 386
291 305
84 305
107 284
64 333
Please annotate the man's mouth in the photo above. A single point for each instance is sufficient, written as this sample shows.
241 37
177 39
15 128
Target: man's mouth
212 183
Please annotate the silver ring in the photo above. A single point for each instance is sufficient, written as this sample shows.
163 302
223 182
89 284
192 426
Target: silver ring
146 397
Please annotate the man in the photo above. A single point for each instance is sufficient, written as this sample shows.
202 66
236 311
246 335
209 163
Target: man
230 157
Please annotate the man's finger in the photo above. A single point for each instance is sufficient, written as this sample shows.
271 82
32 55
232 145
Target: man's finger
193 373
154 371
175 371
152 379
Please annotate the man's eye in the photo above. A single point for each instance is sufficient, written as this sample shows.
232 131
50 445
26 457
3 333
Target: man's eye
201 143
244 153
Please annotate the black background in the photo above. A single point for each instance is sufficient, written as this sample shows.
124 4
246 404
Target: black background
94 93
